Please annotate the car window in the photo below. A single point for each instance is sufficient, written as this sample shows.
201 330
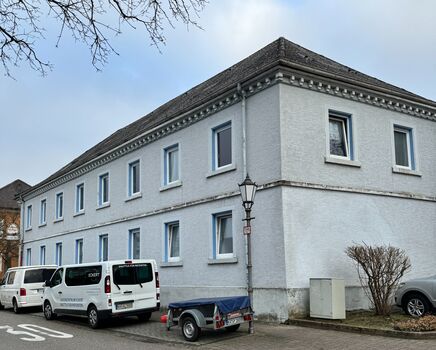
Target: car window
132 273
11 277
4 279
38 275
57 277
83 276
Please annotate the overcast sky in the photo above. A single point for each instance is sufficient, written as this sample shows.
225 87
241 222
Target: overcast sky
46 122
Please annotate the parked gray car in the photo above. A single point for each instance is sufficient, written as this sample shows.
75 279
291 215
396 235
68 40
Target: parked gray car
417 297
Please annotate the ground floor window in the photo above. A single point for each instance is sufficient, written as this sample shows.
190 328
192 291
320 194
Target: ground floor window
134 244
59 254
223 235
103 248
172 241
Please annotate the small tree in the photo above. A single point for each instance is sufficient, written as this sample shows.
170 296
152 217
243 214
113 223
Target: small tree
9 237
380 269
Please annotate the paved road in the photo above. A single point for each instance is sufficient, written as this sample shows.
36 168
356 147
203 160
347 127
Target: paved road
131 334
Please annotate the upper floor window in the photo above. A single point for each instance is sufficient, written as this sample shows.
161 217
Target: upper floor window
223 235
80 198
43 212
103 189
171 164
172 241
29 217
103 248
134 244
404 148
222 146
340 135
59 254
79 251
42 255
59 206
134 178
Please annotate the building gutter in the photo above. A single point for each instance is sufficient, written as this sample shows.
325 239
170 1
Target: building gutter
242 94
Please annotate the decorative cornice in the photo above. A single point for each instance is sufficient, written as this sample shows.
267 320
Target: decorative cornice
275 75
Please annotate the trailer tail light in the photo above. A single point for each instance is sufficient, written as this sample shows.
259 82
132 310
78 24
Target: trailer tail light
107 284
219 324
248 318
22 292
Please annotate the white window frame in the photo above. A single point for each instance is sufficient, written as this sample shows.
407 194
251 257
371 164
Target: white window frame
408 133
166 165
131 242
43 212
59 257
130 165
42 255
29 213
215 234
345 119
78 210
215 130
412 148
29 257
100 202
100 246
76 250
168 226
57 207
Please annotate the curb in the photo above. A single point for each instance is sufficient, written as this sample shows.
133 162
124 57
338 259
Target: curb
361 330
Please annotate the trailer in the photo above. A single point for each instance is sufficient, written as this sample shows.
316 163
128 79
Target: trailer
213 313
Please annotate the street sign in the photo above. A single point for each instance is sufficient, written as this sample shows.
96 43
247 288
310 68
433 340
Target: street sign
247 230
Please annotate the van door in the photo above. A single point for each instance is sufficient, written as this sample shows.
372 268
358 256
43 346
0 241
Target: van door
33 283
133 287
56 289
3 288
10 287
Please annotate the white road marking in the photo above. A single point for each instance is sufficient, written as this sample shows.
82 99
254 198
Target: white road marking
45 331
33 337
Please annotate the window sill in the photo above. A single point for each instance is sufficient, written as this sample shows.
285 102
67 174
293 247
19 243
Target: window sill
28 229
58 220
397 170
133 197
222 170
218 261
171 264
340 161
171 185
105 205
79 213
42 225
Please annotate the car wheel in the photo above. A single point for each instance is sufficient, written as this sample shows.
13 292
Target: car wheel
93 318
233 328
190 330
145 316
48 311
15 306
416 305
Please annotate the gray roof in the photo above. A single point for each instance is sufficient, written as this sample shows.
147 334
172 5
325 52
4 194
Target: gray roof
8 193
281 52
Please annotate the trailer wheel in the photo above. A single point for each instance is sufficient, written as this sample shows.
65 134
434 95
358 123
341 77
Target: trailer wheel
190 330
232 329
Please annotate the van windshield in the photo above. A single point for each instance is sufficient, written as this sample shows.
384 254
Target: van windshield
38 275
132 274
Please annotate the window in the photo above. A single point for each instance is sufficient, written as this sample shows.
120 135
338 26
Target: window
172 242
223 235
130 274
59 206
57 277
80 198
11 277
134 178
43 212
83 276
134 244
103 248
222 146
29 257
171 164
79 251
340 135
29 217
103 189
38 275
59 254
42 255
404 150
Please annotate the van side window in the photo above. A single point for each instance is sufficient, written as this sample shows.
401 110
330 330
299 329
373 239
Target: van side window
38 275
83 276
3 281
57 277
11 277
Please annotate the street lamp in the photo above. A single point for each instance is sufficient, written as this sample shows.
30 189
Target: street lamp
248 191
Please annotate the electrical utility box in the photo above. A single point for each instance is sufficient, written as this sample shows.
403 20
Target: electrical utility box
327 298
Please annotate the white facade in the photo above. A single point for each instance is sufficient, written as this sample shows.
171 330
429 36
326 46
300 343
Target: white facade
309 208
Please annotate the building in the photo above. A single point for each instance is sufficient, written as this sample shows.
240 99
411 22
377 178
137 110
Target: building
10 225
340 157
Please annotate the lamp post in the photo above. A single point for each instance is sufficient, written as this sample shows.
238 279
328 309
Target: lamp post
248 191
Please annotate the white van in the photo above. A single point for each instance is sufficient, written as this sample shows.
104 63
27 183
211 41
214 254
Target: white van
103 289
24 286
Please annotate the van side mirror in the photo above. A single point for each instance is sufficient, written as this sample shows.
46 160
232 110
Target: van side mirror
48 284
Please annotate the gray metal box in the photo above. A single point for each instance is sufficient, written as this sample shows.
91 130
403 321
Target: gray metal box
327 298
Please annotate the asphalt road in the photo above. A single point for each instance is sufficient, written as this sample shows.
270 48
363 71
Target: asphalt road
62 335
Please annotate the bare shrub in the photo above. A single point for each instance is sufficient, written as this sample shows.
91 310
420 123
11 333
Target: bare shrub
380 269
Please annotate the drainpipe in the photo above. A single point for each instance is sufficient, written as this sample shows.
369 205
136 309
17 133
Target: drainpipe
244 131
20 249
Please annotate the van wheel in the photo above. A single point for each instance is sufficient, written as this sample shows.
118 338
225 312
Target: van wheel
93 318
48 311
15 306
1 306
190 330
145 316
233 328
